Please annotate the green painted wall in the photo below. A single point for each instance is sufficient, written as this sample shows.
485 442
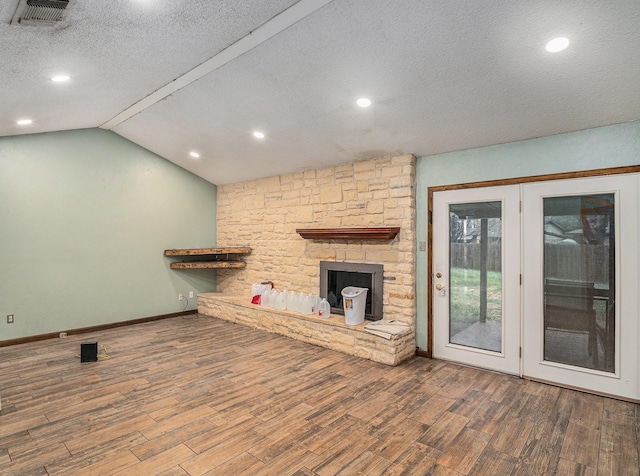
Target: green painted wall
84 219
610 146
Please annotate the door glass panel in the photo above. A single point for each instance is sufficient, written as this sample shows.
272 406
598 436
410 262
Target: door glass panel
475 275
579 281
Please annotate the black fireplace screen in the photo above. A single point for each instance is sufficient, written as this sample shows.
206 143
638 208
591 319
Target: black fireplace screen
335 276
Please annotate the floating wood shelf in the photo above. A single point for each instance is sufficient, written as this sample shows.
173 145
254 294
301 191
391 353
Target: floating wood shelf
378 233
217 258
208 264
233 250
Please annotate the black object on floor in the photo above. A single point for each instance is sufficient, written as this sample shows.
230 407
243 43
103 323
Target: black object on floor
89 351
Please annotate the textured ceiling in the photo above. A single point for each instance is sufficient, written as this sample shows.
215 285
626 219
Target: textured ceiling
443 75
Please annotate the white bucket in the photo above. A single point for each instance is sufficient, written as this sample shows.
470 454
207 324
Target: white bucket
354 301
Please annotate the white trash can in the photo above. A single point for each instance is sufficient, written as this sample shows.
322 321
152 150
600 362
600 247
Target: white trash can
354 301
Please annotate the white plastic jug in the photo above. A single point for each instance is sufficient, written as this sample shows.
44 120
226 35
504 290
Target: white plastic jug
273 295
315 300
307 305
264 297
292 301
324 309
255 289
281 301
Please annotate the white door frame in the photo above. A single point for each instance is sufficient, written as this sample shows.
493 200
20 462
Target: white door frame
623 382
508 359
629 354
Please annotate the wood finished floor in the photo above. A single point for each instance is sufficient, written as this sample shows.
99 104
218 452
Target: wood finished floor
204 396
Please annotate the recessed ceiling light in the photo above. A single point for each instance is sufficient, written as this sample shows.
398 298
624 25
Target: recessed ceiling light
363 102
258 135
195 155
24 122
60 79
557 44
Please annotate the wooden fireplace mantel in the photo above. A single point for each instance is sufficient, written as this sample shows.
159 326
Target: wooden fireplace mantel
375 233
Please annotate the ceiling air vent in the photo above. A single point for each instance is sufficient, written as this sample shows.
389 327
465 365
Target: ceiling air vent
41 12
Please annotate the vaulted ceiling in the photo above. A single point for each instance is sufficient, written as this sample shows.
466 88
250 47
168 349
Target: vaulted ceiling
202 76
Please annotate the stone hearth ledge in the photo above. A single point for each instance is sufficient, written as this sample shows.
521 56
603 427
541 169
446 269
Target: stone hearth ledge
331 333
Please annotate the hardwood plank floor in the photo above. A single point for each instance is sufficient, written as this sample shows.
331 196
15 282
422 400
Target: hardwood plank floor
202 396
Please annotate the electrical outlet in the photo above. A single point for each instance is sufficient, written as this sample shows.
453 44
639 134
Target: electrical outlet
10 319
190 294
180 296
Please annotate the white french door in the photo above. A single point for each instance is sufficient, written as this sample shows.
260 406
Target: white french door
581 283
476 277
574 246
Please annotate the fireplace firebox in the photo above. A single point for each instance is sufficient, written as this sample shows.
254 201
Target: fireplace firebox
335 276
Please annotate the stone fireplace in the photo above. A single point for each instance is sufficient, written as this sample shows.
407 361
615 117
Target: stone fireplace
265 214
336 275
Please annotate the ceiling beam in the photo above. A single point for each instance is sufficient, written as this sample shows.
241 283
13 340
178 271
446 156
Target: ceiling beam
277 24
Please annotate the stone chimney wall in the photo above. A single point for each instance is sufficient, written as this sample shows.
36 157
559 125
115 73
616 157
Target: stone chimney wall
265 213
